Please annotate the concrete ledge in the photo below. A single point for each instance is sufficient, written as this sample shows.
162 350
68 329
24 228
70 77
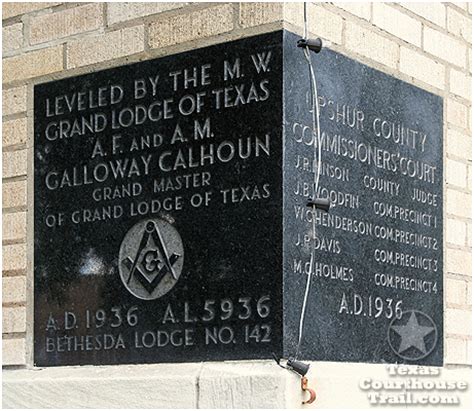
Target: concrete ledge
256 384
144 386
233 384
248 385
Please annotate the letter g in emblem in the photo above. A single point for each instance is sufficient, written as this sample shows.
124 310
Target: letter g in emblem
151 259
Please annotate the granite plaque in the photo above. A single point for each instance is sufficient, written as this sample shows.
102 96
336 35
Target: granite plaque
171 221
377 277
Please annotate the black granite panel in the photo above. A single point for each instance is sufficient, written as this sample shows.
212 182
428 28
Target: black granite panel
378 253
158 209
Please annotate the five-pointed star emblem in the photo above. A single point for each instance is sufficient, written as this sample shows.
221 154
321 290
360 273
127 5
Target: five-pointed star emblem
413 334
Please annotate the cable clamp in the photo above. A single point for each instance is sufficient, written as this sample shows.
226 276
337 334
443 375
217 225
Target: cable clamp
315 45
319 203
301 369
292 364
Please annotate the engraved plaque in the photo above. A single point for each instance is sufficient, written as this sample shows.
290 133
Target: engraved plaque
171 221
377 278
158 209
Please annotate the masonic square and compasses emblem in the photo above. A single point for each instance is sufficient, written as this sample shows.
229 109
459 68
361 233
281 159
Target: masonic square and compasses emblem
151 259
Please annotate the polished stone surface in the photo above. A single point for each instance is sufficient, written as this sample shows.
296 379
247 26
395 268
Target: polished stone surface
188 269
168 197
376 130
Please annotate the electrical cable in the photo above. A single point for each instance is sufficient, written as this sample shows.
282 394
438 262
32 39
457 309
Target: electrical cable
316 151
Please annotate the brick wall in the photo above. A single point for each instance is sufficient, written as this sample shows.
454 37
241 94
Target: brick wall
426 44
